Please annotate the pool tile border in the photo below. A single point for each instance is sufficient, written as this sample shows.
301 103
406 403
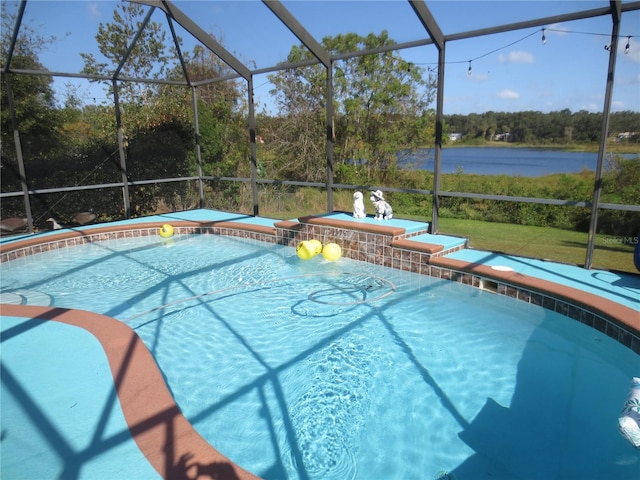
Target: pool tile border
606 316
611 318
34 245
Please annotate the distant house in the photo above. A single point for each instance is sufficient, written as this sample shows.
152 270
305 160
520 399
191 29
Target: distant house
502 137
626 135
455 136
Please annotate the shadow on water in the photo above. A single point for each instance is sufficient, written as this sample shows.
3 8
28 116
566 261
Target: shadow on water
562 419
271 380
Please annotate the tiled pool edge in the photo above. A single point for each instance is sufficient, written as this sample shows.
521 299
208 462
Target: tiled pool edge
377 248
70 238
606 316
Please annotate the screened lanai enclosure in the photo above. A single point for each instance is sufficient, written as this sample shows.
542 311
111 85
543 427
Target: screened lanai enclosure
113 110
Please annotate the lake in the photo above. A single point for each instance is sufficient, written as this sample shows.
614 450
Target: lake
524 162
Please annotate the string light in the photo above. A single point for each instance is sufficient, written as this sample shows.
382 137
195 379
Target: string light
544 41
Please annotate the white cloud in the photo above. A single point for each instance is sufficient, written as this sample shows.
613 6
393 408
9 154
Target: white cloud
508 95
627 80
94 10
557 29
516 57
618 106
591 107
478 77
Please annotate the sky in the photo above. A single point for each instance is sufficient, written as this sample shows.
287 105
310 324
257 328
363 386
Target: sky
510 72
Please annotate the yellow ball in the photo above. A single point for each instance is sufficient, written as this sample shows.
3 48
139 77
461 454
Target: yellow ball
166 231
332 252
317 246
305 250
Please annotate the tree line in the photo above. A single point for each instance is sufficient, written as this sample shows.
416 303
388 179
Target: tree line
537 128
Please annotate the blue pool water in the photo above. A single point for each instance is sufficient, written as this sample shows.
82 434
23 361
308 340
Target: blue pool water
345 370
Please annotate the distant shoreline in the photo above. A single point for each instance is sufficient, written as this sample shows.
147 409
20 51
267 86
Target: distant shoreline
591 148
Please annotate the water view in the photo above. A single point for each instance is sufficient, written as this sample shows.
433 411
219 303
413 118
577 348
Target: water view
524 162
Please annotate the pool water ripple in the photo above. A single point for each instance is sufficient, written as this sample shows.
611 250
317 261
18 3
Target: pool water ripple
303 369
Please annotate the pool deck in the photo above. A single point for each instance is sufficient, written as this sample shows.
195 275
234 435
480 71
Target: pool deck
619 287
152 423
393 227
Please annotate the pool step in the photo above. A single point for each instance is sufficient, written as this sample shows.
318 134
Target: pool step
431 244
26 297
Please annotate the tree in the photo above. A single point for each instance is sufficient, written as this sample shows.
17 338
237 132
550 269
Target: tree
381 107
34 99
158 133
148 57
223 132
297 144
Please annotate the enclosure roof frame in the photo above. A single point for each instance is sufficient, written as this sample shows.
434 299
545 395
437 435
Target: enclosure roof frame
436 36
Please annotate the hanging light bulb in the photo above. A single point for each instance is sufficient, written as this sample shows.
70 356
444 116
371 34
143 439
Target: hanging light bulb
627 46
544 38
469 69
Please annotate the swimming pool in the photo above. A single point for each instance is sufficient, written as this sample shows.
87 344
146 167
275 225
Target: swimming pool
313 369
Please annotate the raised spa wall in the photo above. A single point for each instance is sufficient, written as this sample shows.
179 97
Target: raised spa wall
381 245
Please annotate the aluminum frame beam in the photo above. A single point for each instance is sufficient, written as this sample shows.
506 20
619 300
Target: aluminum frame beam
615 9
197 32
244 72
124 59
428 22
299 31
616 17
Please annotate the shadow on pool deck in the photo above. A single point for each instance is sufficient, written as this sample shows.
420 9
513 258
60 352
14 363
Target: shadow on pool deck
153 420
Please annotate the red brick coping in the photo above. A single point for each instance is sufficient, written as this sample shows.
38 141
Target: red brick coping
353 225
625 317
166 438
288 225
423 247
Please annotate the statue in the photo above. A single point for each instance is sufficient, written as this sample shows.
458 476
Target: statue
383 209
358 206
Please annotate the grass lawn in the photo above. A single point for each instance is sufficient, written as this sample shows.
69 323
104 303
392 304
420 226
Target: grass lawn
566 246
